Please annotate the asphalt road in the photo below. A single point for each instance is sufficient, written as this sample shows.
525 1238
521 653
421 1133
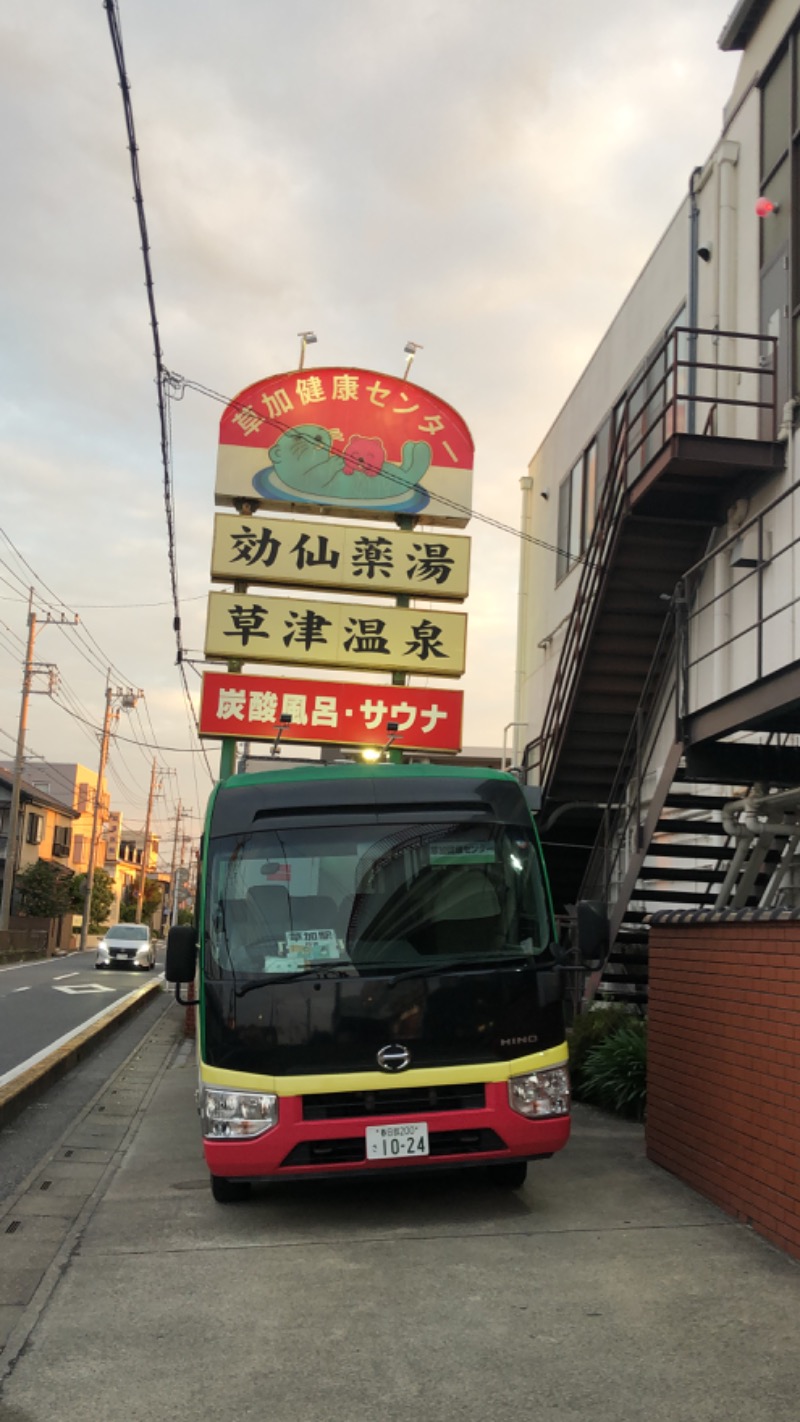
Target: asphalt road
41 1003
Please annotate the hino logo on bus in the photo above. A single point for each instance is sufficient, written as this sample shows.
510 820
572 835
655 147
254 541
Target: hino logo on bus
393 1058
518 1041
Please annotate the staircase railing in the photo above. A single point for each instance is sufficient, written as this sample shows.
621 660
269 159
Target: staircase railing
541 753
623 820
661 403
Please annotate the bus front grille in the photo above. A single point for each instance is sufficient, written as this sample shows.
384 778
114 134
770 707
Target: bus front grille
400 1101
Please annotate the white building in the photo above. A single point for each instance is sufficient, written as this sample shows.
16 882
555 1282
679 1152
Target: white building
658 670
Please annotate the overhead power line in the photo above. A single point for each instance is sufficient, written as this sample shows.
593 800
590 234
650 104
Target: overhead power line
179 383
162 375
130 740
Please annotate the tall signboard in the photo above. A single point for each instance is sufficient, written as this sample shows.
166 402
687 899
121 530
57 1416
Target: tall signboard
293 553
351 635
300 453
339 713
349 442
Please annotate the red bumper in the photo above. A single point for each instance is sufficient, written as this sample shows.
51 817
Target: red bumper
296 1147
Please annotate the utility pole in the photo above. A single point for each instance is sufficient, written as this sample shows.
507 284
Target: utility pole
143 871
173 883
13 822
101 770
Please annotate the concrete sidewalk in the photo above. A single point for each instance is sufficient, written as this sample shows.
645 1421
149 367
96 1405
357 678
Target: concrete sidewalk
604 1289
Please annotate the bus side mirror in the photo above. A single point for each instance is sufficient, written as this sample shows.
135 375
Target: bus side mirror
593 933
181 964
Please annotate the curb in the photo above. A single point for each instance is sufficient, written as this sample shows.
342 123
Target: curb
16 1094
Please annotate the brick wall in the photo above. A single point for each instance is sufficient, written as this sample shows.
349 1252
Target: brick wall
723 1107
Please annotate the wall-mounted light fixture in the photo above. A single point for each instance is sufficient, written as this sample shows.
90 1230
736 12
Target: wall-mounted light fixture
307 338
744 554
410 348
285 720
392 727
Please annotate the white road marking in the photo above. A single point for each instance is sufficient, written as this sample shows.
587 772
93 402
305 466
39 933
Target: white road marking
40 962
52 1047
25 989
85 988
65 975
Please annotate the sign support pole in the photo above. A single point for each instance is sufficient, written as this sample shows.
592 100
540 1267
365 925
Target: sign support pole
227 757
394 755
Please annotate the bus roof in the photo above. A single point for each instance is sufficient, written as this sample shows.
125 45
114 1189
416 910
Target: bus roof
352 770
413 791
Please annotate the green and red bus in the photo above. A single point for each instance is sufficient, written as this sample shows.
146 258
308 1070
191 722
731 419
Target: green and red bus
380 983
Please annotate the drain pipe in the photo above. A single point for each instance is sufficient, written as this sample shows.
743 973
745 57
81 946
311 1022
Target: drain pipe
748 827
694 273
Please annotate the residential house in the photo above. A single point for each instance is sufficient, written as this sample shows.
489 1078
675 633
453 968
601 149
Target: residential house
118 850
45 827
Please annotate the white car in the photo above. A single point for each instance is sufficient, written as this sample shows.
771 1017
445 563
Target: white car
126 945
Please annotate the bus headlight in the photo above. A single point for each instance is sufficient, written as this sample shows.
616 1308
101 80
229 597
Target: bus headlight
232 1115
540 1093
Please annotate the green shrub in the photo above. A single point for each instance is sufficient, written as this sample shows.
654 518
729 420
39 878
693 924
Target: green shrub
586 1032
614 1073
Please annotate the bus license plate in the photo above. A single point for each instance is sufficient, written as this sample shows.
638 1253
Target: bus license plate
397 1142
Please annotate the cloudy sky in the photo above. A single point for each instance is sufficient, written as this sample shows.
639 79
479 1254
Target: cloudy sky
484 177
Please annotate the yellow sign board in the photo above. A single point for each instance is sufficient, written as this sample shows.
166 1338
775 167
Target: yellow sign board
349 635
339 557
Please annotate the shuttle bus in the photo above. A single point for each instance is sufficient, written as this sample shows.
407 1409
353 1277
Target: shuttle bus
379 982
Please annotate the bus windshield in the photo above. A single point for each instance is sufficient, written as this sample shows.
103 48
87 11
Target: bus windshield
380 897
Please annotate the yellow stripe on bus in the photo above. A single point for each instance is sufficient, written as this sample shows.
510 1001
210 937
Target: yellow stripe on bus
311 1085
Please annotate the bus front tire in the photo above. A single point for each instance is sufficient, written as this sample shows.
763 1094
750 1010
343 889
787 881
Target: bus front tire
229 1192
511 1175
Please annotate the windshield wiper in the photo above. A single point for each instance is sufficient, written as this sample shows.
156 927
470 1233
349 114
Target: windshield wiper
312 973
461 965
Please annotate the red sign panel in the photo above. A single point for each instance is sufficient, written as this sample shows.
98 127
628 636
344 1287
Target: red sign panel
334 712
346 440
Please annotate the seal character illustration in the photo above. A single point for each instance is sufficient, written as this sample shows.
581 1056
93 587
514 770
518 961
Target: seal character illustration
304 468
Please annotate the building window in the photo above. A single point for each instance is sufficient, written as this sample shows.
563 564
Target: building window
578 497
62 838
35 832
570 520
776 108
591 493
79 851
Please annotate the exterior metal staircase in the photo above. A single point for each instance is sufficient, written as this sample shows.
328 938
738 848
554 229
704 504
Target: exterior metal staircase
666 491
685 865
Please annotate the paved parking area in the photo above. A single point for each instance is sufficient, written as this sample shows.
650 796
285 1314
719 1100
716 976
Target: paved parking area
604 1289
